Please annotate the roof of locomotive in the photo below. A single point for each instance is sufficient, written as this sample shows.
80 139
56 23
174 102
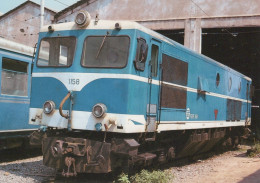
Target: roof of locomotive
110 24
105 24
15 47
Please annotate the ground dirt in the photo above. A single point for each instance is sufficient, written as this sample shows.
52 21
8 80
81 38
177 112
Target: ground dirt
229 167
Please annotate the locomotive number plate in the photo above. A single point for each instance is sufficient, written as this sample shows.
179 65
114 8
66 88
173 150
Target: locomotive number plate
74 81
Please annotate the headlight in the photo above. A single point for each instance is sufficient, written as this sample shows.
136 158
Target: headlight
82 18
48 107
99 110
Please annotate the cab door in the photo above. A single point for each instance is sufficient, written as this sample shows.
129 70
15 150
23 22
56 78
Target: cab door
154 86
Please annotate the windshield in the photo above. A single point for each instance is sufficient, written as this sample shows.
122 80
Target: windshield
56 51
105 51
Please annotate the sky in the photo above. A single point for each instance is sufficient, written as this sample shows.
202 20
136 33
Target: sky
56 5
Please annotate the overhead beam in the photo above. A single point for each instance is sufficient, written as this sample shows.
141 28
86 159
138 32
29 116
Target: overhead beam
206 22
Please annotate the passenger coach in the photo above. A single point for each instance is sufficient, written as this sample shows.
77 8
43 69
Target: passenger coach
15 72
115 94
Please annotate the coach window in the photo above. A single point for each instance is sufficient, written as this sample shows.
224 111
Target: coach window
154 59
14 77
56 52
105 51
141 54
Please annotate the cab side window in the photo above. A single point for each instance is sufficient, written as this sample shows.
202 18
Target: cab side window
154 59
141 54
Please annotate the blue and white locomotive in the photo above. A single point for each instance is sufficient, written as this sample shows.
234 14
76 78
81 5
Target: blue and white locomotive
15 82
115 94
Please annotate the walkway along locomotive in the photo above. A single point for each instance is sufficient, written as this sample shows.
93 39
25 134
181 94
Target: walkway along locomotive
15 82
115 94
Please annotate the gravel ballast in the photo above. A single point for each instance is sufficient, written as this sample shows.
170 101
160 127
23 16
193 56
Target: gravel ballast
25 171
214 169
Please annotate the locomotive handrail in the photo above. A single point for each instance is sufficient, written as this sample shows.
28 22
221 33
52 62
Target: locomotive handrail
61 106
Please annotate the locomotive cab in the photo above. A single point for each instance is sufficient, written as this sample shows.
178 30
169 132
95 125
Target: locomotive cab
96 66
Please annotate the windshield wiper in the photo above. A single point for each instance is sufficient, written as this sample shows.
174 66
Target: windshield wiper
101 46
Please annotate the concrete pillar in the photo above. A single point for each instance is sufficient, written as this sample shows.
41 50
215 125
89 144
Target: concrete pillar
42 14
192 34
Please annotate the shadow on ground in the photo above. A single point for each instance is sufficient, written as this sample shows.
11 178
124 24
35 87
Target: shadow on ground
18 154
252 178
